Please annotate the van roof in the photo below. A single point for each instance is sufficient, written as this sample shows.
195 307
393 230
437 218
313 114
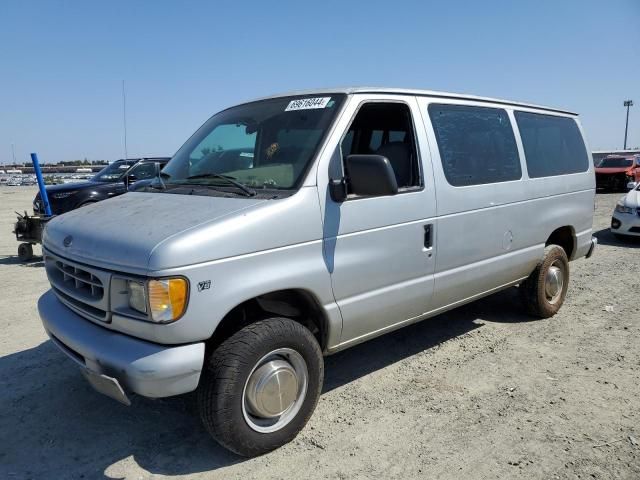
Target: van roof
415 92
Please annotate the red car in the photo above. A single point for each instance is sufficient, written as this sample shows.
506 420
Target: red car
615 171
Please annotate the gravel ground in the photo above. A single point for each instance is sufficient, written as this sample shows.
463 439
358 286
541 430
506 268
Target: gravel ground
479 392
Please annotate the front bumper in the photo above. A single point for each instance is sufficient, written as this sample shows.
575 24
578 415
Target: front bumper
146 368
627 223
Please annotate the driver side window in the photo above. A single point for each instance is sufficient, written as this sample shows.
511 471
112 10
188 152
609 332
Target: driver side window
385 129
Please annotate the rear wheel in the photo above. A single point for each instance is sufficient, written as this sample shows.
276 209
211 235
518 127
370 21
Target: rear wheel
544 291
261 386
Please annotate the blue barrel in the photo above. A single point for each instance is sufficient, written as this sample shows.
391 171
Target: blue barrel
43 190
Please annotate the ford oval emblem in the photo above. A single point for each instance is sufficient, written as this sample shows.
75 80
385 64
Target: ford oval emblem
68 240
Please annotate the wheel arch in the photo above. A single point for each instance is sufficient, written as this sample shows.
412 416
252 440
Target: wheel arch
296 304
564 237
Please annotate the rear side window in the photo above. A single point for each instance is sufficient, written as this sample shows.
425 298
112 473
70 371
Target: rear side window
552 145
477 145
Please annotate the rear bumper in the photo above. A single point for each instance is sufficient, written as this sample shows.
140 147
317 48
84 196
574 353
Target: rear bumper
142 367
592 248
585 244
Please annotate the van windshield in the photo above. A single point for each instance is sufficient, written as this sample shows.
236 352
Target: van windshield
616 163
267 144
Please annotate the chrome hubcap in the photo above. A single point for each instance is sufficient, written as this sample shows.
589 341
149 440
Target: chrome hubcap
554 283
275 390
272 389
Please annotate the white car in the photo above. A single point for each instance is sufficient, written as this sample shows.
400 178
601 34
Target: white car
626 216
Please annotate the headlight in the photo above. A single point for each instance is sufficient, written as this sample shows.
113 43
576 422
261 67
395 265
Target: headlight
62 194
163 300
620 208
137 296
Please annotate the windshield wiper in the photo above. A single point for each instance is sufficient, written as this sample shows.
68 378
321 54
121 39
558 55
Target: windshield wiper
249 191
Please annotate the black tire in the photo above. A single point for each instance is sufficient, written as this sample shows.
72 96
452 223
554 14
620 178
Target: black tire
86 204
533 290
221 389
25 252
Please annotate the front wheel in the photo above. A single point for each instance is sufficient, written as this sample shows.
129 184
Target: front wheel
544 291
261 386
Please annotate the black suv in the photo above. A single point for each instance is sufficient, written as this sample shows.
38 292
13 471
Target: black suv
113 180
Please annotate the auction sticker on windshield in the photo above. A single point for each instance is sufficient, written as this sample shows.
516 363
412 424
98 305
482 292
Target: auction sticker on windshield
307 103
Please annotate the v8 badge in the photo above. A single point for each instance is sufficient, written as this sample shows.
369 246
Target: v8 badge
204 285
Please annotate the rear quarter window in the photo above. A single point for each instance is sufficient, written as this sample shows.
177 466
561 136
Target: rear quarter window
552 145
477 144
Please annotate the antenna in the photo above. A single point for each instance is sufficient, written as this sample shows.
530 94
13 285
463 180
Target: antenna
124 119
13 152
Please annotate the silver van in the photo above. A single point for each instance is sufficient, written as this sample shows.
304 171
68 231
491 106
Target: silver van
294 226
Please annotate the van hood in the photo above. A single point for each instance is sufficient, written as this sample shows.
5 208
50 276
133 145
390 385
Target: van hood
122 233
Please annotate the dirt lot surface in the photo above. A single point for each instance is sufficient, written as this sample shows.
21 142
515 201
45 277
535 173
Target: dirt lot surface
479 392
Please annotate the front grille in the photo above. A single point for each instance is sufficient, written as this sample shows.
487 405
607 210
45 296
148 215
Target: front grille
81 280
83 289
78 305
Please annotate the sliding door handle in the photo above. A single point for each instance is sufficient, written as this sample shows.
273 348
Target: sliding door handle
428 236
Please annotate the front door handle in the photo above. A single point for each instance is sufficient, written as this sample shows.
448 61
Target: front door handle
428 235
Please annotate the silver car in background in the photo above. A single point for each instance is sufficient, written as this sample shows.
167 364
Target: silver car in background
295 226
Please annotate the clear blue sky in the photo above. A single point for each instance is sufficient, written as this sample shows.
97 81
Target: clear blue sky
62 62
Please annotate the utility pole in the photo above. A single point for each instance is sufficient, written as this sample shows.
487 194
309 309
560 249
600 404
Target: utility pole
627 103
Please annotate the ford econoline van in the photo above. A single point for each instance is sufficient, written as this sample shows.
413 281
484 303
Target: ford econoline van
294 226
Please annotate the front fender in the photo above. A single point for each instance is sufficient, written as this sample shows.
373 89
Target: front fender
233 281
